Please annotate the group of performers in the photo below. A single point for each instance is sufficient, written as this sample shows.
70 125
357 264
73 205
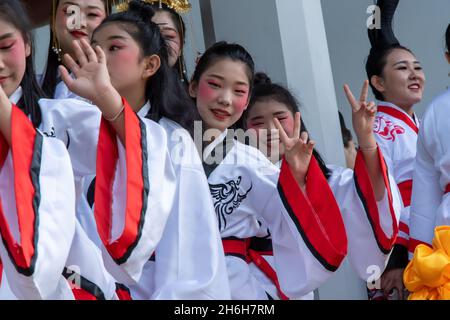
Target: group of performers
105 194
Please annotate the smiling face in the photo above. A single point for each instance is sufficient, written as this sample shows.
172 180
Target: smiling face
222 93
402 81
170 33
13 54
260 118
70 26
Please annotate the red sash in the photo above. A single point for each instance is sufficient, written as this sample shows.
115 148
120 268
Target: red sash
240 248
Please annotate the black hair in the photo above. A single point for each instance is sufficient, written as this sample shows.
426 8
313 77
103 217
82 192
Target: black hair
50 79
13 12
224 50
165 92
264 90
447 38
177 19
383 42
346 133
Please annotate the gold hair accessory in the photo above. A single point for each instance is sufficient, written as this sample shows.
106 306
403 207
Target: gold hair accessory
179 6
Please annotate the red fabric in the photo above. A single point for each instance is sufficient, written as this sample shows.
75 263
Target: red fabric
241 247
413 243
123 294
1 271
267 269
405 188
317 214
23 138
404 227
81 294
447 189
107 156
398 115
368 196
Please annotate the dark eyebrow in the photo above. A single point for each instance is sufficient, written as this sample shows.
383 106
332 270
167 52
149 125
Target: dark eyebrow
256 118
222 78
6 36
404 61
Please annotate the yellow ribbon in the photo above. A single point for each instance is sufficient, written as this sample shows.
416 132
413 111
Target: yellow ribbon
427 275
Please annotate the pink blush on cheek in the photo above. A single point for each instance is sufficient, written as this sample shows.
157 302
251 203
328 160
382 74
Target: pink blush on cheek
240 103
205 92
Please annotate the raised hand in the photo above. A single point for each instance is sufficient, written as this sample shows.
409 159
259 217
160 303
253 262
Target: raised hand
363 116
92 79
298 150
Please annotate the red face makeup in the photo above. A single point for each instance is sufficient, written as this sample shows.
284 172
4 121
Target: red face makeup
13 54
222 93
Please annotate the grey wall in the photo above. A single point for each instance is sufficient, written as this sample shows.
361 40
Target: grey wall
419 25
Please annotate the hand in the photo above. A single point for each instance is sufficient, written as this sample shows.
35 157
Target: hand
5 104
363 116
5 116
298 151
393 279
92 79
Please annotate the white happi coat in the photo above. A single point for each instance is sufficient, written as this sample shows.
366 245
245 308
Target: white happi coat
430 205
37 212
143 203
309 234
396 134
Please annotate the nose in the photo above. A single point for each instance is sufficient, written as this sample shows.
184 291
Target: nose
83 21
2 65
225 98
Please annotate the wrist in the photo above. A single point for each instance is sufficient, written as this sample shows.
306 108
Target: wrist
109 102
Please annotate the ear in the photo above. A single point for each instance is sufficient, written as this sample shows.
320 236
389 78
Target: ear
151 65
447 56
378 83
193 89
27 50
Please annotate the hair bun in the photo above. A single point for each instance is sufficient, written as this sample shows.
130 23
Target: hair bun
141 9
261 79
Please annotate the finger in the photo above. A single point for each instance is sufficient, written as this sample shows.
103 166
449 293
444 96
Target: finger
71 64
88 51
65 76
304 137
79 54
364 91
351 99
297 125
372 107
311 145
283 136
100 54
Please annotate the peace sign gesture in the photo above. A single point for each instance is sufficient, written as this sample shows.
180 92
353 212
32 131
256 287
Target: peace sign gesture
298 150
363 116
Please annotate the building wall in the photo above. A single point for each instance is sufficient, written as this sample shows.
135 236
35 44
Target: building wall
419 25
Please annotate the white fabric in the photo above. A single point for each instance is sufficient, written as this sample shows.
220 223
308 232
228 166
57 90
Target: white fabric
397 142
430 207
363 251
248 176
56 223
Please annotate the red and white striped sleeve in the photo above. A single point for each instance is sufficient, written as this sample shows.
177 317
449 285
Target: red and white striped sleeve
134 194
37 210
308 234
371 226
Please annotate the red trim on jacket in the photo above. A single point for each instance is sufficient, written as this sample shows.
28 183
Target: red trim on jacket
405 188
23 152
316 215
107 157
367 196
399 115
